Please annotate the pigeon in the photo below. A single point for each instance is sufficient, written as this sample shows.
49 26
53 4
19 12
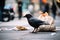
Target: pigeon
34 22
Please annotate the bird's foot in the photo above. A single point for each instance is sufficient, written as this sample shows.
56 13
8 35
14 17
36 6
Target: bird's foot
34 31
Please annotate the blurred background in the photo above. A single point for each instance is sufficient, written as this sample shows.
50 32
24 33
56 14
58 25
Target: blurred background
15 9
11 15
9 9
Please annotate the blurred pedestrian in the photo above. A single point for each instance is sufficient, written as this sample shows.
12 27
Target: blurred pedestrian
58 3
20 4
2 3
31 8
58 7
46 8
53 9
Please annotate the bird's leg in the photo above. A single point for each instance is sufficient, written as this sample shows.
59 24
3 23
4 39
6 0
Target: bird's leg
33 30
36 30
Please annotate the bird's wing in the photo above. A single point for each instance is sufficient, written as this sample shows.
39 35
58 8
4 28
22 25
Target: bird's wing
37 21
34 20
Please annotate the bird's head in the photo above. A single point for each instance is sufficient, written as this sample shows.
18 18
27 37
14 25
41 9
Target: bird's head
28 16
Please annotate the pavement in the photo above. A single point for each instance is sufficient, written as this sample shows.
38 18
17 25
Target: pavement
26 35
